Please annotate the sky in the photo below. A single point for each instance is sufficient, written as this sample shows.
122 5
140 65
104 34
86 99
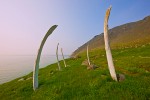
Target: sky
23 23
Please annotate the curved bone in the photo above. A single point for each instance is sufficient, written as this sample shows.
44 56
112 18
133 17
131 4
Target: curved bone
107 47
63 57
59 68
36 67
88 55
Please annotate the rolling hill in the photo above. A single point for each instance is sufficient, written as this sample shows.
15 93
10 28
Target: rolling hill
126 35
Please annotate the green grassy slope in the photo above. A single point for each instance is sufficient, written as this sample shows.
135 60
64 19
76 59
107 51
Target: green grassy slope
75 82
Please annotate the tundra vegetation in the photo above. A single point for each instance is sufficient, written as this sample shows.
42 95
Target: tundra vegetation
76 82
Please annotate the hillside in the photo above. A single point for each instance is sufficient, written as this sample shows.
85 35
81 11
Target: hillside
127 35
75 82
131 56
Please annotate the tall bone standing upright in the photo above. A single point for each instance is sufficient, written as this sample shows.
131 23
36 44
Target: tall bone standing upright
63 57
59 68
107 47
88 55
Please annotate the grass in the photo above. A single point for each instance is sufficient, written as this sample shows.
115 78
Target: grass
75 82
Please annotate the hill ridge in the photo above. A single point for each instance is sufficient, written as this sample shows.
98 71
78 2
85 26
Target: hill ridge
128 34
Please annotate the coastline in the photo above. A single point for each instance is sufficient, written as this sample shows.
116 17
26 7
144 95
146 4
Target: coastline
23 65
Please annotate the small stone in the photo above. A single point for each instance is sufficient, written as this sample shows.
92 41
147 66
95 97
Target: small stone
91 67
29 78
95 66
21 79
120 77
143 45
147 71
51 72
85 62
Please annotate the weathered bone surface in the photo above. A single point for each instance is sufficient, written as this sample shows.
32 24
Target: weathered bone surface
63 57
36 67
59 68
107 47
88 55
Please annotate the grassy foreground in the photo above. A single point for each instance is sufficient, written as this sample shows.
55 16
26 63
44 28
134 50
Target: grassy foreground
75 82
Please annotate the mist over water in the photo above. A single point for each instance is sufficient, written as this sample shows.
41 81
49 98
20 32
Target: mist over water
12 67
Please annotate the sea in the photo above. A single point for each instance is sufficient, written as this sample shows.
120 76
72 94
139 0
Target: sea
12 67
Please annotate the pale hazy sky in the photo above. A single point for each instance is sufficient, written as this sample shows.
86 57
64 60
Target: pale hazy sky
23 23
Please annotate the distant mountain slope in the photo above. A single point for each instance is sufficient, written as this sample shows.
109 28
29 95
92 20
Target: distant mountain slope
130 34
